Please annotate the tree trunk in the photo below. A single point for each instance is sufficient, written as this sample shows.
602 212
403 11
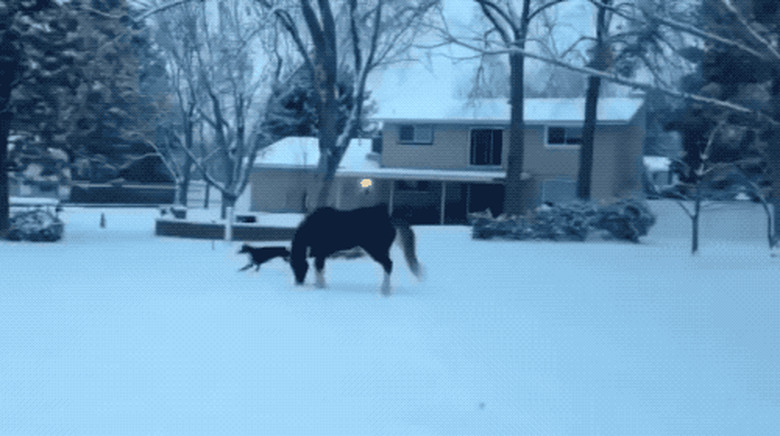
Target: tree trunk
227 201
775 223
600 62
185 180
513 194
328 111
9 63
695 223
5 210
327 177
585 171
228 214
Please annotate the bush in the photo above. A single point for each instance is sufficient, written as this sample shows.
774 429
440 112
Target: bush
625 219
35 225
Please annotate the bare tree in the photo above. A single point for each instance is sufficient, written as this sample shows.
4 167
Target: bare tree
599 61
219 68
699 179
512 25
177 35
373 33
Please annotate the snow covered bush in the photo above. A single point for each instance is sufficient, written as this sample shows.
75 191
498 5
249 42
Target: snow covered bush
484 226
35 225
625 219
565 222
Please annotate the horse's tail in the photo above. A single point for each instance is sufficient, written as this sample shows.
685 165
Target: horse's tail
407 242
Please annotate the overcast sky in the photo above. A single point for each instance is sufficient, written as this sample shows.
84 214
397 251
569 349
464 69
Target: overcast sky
438 76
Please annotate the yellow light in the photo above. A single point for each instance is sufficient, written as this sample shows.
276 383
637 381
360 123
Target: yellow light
366 183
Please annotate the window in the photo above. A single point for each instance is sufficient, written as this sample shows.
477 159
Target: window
486 146
564 136
416 134
559 190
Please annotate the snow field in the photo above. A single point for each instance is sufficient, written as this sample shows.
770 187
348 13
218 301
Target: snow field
116 331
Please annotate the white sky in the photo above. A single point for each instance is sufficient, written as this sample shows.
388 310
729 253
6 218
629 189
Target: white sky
438 76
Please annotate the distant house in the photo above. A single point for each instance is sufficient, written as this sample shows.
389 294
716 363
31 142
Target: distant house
440 161
659 172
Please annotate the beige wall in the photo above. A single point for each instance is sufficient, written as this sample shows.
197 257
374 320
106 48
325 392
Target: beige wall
280 190
450 148
617 155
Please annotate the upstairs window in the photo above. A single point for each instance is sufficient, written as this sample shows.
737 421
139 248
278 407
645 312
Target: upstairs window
486 146
416 134
558 136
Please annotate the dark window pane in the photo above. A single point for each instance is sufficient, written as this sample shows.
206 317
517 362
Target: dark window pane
556 135
407 133
496 152
485 147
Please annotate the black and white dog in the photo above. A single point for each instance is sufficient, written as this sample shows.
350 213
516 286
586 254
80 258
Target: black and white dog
261 255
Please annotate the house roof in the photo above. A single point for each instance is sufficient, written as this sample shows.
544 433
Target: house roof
656 163
303 153
616 110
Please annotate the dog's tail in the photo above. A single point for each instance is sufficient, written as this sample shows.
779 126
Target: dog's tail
407 242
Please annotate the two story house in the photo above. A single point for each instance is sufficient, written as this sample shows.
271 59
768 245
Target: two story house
438 162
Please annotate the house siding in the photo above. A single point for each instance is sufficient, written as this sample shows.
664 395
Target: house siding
446 152
617 154
284 190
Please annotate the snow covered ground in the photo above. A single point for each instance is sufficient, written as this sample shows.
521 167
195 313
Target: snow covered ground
116 331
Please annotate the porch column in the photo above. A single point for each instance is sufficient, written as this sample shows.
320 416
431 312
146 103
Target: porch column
338 192
392 193
443 201
468 199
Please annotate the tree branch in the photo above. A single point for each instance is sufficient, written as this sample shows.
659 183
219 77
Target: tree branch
751 30
542 8
683 27
613 77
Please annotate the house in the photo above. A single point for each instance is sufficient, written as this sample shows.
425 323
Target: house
439 161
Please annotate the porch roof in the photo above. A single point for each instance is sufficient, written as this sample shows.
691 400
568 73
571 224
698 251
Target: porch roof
465 176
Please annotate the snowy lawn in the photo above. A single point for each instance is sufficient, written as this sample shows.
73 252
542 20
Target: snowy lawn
116 331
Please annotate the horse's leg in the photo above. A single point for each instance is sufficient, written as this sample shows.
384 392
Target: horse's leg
319 267
382 256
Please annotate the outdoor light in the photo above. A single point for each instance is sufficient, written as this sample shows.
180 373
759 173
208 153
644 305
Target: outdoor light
366 183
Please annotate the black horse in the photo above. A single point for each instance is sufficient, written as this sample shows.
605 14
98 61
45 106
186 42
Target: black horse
328 230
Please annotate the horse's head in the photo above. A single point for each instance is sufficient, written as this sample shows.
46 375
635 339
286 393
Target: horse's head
299 267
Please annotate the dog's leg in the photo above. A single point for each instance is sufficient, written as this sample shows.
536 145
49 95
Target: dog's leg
249 265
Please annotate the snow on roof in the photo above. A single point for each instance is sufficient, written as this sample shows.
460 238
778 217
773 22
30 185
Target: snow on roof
656 163
303 151
536 110
428 174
